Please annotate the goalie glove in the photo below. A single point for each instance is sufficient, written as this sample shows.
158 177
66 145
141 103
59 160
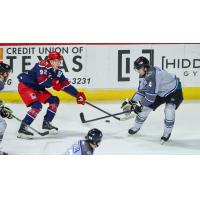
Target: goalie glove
6 112
131 105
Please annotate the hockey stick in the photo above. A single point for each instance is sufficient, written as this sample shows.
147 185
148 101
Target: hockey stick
110 115
92 105
40 133
83 120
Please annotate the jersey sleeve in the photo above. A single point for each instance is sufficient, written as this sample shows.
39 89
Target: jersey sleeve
1 85
65 83
139 95
150 93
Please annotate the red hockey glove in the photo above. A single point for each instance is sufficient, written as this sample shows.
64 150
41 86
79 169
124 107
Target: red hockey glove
81 98
56 84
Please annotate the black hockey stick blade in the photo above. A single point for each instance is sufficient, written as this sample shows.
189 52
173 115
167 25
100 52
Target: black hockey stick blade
82 118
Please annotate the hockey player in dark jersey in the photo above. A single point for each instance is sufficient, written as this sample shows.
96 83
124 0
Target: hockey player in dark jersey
156 87
32 89
87 146
5 112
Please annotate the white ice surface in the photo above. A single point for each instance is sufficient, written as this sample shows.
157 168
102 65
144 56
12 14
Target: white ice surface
185 138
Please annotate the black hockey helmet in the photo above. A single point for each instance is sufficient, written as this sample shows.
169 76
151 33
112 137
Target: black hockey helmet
141 62
94 136
4 68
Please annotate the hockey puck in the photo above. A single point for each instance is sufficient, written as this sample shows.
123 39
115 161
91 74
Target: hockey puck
107 121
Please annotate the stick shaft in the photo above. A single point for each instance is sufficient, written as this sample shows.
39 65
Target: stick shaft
42 134
104 117
102 110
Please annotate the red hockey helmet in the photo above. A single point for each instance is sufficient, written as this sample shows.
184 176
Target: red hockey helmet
54 55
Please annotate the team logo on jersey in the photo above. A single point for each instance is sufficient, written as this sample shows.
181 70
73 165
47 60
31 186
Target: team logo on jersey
33 96
149 74
142 83
76 148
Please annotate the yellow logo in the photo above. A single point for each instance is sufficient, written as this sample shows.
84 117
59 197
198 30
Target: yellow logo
1 54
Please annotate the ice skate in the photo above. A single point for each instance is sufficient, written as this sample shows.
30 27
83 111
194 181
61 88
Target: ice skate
165 138
23 132
48 126
3 153
131 131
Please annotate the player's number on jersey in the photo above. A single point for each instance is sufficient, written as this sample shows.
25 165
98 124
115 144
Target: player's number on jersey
43 72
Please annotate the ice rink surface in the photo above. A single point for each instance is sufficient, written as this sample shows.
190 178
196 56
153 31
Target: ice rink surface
185 138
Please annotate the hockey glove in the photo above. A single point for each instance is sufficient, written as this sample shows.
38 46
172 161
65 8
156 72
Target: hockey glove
4 76
56 84
6 112
129 105
80 98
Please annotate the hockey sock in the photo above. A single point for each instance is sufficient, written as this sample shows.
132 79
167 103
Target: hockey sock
32 113
1 138
3 126
169 118
51 111
141 117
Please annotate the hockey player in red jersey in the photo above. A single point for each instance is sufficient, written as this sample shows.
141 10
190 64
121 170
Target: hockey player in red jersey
32 89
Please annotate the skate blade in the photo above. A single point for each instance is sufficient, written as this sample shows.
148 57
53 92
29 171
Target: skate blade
163 142
3 153
23 136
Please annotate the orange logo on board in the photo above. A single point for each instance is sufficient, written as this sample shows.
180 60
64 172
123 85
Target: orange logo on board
1 54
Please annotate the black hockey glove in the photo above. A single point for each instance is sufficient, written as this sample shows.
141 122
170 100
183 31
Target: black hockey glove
6 112
129 105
